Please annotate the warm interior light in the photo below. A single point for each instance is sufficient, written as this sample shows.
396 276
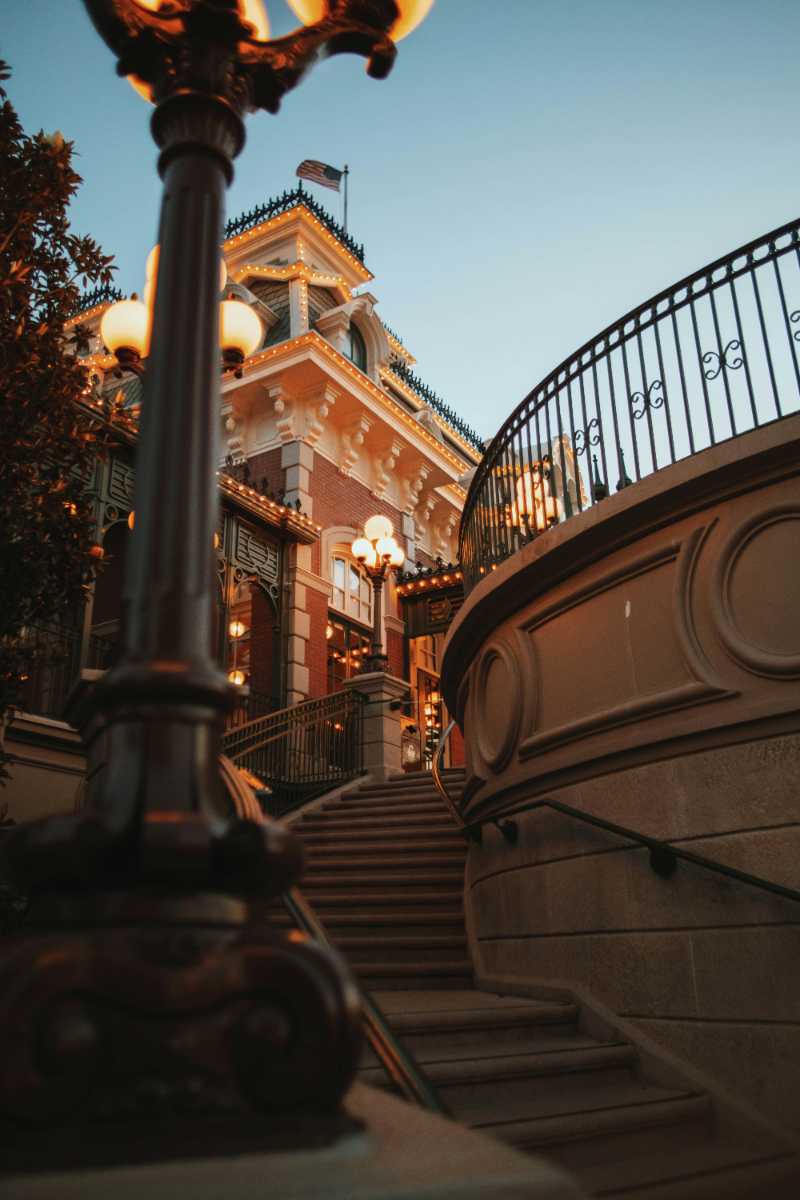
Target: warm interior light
364 551
239 327
412 12
329 631
378 527
237 629
236 677
126 326
131 518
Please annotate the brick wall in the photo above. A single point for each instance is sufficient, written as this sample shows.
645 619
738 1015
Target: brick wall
394 651
317 645
262 641
267 465
342 500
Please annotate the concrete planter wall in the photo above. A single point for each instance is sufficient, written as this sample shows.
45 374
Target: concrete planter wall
642 662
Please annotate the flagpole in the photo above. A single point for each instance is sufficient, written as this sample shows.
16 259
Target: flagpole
346 173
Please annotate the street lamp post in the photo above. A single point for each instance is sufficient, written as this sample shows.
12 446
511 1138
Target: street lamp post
377 551
156 999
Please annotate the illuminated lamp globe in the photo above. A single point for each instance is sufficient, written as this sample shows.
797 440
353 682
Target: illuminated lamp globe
378 527
364 551
386 547
237 629
412 13
125 326
237 677
398 558
239 330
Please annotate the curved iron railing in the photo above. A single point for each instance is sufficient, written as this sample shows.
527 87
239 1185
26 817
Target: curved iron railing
711 357
301 751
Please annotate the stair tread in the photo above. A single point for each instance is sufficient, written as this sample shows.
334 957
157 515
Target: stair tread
423 875
496 1068
483 1019
615 1115
679 1164
570 1094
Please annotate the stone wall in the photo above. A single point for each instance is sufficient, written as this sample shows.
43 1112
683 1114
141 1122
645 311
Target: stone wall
641 662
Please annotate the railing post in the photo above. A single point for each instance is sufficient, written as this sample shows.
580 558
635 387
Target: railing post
380 722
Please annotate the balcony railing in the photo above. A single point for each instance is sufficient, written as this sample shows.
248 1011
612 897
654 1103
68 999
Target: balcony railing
52 658
302 751
711 357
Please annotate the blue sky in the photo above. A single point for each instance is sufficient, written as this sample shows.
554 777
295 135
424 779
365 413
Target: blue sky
530 171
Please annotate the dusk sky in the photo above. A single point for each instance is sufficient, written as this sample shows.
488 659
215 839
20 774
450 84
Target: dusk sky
530 171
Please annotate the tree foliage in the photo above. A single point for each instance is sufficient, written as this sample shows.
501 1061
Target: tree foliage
49 446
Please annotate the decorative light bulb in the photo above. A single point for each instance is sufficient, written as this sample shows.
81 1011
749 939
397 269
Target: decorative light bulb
363 550
240 329
237 677
386 547
126 326
378 527
237 629
398 558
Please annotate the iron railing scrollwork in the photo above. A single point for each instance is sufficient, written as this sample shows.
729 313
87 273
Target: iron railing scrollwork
713 356
283 203
50 656
301 751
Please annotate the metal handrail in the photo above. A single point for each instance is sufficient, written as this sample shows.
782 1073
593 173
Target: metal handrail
438 782
712 356
663 855
399 1064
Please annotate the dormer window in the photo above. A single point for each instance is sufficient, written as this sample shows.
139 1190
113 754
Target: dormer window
356 348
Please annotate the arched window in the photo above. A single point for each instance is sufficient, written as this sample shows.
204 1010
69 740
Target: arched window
357 347
352 591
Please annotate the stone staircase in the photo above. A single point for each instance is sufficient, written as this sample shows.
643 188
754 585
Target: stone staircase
385 870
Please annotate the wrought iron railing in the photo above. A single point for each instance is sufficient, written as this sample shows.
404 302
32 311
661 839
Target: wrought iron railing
302 751
52 661
437 404
711 357
281 204
248 708
99 295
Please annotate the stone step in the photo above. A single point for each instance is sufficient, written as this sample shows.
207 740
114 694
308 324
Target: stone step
521 1097
549 1115
486 1017
710 1169
378 841
336 822
389 976
400 949
322 860
413 899
378 810
439 877
388 922
475 1044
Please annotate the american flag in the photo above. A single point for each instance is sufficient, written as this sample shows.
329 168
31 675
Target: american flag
320 173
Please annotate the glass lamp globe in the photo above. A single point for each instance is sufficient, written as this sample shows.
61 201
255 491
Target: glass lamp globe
412 13
126 326
386 547
378 527
363 550
398 558
239 327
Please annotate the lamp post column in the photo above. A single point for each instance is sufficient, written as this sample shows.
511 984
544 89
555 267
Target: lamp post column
377 659
167 660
